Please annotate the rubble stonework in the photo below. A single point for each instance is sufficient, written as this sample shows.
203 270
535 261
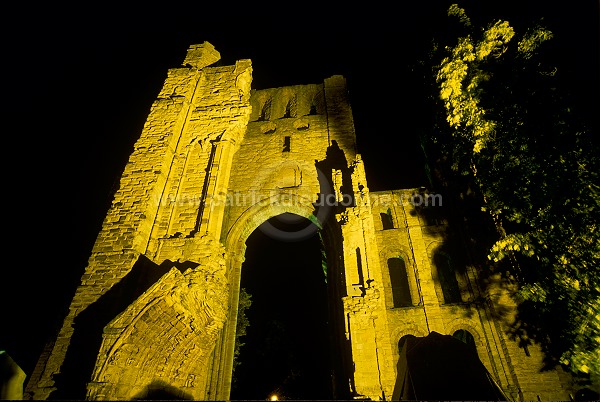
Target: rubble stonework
157 305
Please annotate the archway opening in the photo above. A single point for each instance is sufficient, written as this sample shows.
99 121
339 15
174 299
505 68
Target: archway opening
467 338
286 348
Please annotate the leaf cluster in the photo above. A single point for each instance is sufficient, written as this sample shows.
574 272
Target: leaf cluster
507 131
245 301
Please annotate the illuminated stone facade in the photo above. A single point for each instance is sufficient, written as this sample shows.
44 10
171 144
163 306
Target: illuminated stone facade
157 305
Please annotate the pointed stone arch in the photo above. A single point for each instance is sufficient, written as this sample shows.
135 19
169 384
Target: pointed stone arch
187 310
291 107
263 106
235 242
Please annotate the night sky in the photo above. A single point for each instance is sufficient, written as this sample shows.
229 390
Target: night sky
79 80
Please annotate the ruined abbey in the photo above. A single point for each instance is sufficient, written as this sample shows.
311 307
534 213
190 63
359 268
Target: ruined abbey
158 302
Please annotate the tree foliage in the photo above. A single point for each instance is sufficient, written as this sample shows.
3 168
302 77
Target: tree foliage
242 325
510 134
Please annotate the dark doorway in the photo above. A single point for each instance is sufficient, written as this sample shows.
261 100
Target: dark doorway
286 348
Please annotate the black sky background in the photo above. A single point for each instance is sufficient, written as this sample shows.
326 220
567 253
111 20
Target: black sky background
79 79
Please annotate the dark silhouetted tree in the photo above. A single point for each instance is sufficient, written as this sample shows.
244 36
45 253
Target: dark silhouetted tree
507 134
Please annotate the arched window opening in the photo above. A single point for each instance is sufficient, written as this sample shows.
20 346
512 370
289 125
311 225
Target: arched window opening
402 342
290 108
447 278
399 280
386 219
265 112
316 104
465 337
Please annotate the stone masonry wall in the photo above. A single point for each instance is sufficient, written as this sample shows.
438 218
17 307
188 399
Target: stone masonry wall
136 224
416 240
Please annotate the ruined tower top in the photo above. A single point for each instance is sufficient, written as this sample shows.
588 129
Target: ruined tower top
201 55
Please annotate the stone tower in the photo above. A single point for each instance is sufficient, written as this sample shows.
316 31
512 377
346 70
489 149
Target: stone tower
158 301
